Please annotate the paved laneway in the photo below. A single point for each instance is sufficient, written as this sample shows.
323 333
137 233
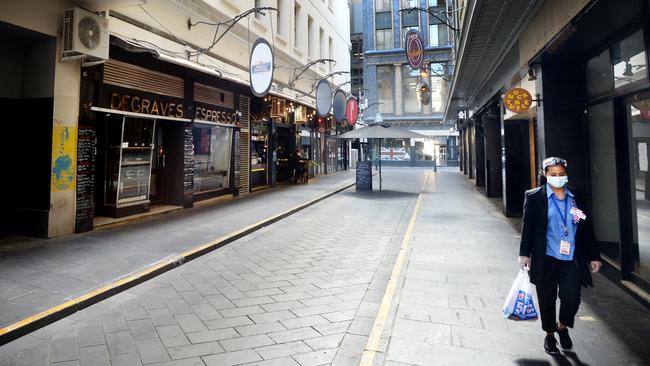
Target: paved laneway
307 290
289 293
37 274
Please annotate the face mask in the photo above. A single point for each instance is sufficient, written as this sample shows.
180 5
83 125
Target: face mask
557 182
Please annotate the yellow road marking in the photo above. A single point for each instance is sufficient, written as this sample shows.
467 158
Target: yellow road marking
372 346
165 262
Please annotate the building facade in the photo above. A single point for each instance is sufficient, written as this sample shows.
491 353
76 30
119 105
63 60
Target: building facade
167 118
589 86
391 87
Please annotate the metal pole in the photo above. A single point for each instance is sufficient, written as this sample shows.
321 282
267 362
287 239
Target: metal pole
380 140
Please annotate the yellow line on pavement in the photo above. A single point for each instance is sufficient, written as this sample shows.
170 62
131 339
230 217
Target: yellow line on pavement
71 305
372 346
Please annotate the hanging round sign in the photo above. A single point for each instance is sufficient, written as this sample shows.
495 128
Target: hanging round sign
517 100
323 98
261 67
414 49
340 100
352 111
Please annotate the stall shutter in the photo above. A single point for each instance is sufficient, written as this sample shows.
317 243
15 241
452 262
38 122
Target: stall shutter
245 145
135 77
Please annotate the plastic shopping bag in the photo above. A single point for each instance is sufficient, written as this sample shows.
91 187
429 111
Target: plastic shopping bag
521 303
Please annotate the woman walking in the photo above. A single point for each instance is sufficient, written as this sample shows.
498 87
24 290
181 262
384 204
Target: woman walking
559 249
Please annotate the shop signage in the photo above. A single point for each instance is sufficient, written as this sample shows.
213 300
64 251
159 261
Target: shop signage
517 100
340 102
323 98
352 111
136 101
261 67
211 113
414 49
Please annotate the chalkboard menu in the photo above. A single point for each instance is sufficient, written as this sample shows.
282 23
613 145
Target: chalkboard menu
188 169
236 157
364 176
85 179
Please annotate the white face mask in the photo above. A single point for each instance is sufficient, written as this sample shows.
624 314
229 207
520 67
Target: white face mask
557 182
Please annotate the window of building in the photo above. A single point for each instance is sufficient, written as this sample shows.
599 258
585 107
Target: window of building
283 18
386 88
311 41
383 31
382 5
331 51
438 32
410 20
629 60
410 98
599 75
211 157
297 34
438 86
321 41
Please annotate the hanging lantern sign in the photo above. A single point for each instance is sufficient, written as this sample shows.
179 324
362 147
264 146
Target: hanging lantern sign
261 67
340 101
425 93
517 100
323 98
414 49
352 111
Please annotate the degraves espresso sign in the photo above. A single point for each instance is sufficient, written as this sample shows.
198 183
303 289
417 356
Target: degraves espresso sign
136 101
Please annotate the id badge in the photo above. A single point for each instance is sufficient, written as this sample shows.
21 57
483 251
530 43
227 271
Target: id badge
565 247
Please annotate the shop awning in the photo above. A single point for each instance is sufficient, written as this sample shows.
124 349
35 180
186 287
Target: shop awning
381 132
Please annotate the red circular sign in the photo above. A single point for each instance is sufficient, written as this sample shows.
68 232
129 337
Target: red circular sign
414 49
351 111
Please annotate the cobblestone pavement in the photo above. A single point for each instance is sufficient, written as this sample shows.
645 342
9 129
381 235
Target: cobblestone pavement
307 290
302 291
36 274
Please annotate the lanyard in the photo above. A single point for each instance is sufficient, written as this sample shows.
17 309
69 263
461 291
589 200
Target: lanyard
566 213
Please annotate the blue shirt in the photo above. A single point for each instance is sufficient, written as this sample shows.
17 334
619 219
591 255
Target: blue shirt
555 232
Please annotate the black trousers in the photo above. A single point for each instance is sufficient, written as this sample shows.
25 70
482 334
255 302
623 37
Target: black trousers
565 276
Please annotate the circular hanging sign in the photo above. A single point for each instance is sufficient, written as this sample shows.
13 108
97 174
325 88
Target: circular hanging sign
352 111
261 67
323 98
414 49
340 101
517 100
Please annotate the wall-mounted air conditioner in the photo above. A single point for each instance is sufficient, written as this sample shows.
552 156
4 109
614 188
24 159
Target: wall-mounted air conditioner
85 35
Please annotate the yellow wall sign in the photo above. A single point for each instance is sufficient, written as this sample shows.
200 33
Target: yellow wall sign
517 100
64 158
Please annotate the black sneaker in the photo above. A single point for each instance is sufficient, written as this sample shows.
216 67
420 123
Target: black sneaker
550 345
565 340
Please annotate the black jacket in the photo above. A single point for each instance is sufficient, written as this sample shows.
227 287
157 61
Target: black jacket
533 236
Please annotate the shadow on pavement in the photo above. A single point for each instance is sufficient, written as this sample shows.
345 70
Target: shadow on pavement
568 358
383 194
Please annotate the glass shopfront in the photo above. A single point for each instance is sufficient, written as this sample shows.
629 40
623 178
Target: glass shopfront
212 157
259 153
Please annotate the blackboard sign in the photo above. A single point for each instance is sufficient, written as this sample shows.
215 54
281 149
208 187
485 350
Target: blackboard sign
188 166
85 179
364 176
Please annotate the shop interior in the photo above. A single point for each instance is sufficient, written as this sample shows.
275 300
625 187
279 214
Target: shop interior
212 152
139 164
27 63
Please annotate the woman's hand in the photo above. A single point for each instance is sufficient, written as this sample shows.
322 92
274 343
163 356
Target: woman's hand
595 266
524 262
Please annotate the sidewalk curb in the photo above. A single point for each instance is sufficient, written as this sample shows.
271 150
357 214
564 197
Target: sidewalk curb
51 315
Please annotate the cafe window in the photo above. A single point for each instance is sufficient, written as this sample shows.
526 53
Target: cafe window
212 147
410 97
385 88
629 60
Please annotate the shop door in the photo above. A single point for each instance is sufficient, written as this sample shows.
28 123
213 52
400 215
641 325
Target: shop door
159 163
637 255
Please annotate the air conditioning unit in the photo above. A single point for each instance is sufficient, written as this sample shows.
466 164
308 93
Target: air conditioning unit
85 35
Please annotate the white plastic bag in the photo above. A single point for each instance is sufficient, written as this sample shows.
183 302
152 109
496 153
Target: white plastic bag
521 303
